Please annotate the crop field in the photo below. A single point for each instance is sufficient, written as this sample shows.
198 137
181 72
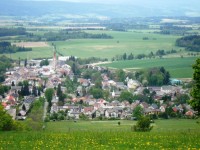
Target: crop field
178 67
129 42
31 44
167 134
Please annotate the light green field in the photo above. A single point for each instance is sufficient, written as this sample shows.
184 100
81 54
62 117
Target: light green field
167 134
177 67
112 126
129 42
39 52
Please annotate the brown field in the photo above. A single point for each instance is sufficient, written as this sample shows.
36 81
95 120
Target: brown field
31 44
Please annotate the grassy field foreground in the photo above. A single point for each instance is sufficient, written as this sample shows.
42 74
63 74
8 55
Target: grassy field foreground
167 134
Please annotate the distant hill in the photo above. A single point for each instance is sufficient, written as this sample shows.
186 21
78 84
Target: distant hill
40 8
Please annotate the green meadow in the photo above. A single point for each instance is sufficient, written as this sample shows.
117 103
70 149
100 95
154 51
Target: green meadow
125 125
129 42
37 52
166 134
178 67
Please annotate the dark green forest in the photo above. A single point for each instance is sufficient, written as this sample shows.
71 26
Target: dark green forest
191 43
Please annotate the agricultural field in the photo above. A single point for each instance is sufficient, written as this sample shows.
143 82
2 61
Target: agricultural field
177 67
37 52
31 44
173 134
129 42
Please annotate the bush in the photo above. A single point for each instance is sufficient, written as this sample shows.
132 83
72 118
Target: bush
119 123
47 119
143 125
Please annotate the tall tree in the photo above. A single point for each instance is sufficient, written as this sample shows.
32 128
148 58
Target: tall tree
121 75
59 91
138 112
49 95
25 62
19 61
195 92
125 95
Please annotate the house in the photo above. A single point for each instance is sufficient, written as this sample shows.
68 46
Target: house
153 106
27 103
15 89
116 94
115 112
163 107
74 115
148 111
11 100
144 105
12 113
54 100
120 86
100 112
84 82
190 113
133 84
175 81
88 111
167 89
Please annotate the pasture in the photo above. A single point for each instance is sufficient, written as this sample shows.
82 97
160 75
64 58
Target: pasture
37 52
173 134
177 67
129 42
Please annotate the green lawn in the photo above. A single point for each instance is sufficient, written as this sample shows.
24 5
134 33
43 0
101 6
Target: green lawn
178 67
167 134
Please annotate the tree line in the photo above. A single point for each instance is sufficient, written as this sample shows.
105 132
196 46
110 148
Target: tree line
175 30
5 63
130 56
63 35
191 43
12 31
6 47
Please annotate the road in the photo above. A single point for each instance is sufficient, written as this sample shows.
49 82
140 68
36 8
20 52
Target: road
45 109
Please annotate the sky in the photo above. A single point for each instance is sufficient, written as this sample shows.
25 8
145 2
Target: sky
127 1
169 7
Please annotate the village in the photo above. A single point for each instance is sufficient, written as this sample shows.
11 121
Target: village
80 104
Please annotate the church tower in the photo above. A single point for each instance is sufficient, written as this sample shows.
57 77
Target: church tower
54 60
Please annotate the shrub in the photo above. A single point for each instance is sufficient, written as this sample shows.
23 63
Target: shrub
143 125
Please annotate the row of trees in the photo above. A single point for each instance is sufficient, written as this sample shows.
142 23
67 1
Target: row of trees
63 35
158 53
175 30
12 31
